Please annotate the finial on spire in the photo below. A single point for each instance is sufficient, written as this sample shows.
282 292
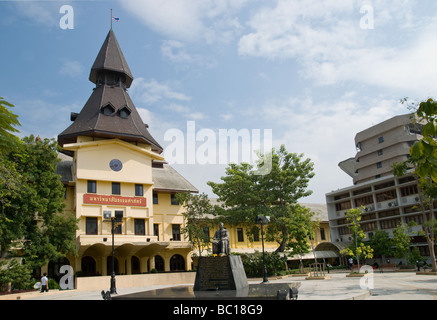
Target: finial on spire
113 18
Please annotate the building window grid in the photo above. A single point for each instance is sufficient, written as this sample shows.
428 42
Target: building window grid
386 195
390 223
382 196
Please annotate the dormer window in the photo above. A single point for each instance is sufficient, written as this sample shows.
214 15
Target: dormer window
108 110
124 112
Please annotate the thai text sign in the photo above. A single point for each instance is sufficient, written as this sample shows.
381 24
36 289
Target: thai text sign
114 200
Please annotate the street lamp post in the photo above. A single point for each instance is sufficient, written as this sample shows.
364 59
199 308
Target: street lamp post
113 289
115 221
263 220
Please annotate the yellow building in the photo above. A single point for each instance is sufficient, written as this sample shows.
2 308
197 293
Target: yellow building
112 166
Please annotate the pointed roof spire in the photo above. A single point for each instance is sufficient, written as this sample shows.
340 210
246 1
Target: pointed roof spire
111 58
109 112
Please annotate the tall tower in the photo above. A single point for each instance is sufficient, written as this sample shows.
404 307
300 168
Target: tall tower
117 170
109 112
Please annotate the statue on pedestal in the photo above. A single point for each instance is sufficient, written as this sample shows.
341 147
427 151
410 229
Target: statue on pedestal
220 242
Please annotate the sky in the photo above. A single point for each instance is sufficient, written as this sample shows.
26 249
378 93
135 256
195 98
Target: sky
310 74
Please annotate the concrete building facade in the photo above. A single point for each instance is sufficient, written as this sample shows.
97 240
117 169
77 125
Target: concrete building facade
387 200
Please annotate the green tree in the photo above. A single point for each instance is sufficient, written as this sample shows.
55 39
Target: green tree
423 161
401 240
381 244
198 213
33 219
19 275
246 193
10 180
357 248
8 123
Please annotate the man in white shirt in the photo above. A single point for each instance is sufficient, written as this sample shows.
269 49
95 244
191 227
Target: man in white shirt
44 283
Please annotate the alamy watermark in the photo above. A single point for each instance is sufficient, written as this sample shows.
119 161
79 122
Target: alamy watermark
224 146
366 282
67 20
367 21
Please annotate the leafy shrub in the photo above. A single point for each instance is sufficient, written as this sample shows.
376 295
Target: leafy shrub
19 275
253 264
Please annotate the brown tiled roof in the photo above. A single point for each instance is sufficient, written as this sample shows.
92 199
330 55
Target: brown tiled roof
92 122
111 58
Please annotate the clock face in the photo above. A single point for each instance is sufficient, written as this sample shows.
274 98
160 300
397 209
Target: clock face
115 165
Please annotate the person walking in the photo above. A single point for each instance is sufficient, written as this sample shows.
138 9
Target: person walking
44 283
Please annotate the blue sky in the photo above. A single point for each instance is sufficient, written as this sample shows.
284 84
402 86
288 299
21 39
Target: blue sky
314 72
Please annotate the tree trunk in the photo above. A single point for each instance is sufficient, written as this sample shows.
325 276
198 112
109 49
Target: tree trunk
429 232
284 240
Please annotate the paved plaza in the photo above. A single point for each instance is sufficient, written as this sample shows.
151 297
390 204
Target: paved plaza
378 286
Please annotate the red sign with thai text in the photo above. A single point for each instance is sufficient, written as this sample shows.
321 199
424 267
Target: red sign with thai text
114 200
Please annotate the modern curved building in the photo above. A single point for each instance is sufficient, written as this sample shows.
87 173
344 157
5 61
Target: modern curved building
387 200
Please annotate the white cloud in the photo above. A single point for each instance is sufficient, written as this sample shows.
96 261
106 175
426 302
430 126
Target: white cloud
40 12
178 53
71 68
150 92
325 37
189 20
325 132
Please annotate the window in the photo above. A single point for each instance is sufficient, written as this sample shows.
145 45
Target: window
363 201
140 227
156 230
379 165
118 228
176 232
406 191
322 234
155 198
116 189
389 224
108 110
387 195
139 190
240 236
380 152
92 186
380 139
343 205
91 225
124 113
174 200
370 226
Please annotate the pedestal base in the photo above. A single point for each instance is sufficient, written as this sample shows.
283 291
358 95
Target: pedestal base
220 273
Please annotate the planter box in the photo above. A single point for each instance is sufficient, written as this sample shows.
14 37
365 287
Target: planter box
318 278
355 275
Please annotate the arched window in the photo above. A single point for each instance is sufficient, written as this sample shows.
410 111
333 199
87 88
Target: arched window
177 263
159 263
88 266
135 265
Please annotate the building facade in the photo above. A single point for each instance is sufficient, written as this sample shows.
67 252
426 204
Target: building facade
387 200
112 166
